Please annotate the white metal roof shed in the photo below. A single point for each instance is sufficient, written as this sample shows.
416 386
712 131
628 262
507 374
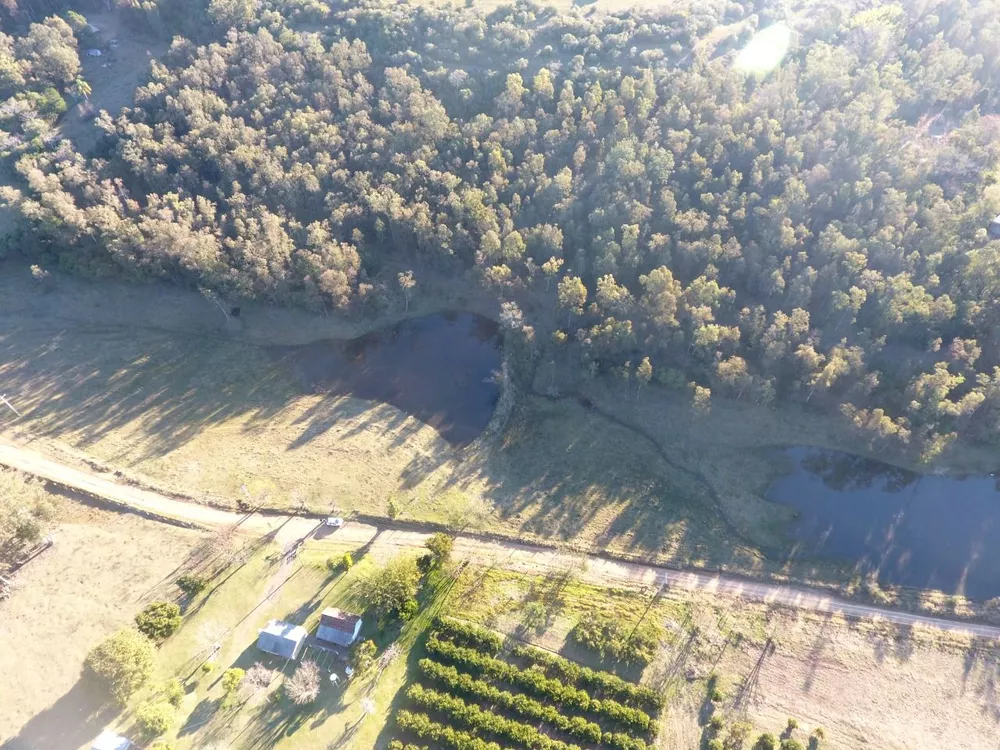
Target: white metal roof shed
282 639
111 741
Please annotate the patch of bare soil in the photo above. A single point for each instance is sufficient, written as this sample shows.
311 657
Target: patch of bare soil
102 568
123 64
890 691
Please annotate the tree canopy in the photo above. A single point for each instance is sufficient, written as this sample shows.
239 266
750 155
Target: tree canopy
391 591
816 233
121 663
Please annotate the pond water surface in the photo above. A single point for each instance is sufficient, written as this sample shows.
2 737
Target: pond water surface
438 368
916 530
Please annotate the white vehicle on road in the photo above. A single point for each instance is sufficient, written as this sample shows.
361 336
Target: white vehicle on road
334 522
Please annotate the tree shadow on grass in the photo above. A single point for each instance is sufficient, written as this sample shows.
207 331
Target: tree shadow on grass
563 472
433 602
72 721
90 382
203 713
981 674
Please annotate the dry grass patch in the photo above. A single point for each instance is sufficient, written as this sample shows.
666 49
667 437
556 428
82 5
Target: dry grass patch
101 570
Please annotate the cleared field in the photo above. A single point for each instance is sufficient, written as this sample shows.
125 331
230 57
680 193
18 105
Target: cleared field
101 570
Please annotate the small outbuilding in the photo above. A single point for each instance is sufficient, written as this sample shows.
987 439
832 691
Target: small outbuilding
111 741
338 626
282 639
995 228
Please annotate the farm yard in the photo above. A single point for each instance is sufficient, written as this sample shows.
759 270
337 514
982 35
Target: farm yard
490 655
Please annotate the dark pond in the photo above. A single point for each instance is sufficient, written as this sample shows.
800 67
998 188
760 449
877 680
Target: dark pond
917 530
437 368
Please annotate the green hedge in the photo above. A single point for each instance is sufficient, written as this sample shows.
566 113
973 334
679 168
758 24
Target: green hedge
608 684
422 726
563 696
522 705
399 745
465 634
480 720
604 682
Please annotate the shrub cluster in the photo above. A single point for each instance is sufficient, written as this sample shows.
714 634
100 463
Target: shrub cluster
121 663
536 683
159 620
611 638
604 683
400 745
154 718
468 635
421 725
192 584
523 705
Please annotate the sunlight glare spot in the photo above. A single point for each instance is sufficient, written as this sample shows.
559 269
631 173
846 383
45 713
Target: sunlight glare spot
765 51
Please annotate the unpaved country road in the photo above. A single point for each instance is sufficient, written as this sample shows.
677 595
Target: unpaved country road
506 555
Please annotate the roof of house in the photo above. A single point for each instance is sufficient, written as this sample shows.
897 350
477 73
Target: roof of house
110 741
285 630
338 619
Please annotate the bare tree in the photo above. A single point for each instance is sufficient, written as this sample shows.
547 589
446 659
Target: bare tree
302 687
388 657
212 297
256 682
367 707
407 283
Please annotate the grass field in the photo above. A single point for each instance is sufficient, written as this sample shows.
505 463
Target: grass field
148 381
865 684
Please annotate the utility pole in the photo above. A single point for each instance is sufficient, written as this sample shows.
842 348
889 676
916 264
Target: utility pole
3 398
656 596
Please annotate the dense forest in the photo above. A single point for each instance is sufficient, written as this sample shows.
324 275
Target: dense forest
638 201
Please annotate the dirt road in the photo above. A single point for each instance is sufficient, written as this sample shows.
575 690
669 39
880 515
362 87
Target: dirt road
506 555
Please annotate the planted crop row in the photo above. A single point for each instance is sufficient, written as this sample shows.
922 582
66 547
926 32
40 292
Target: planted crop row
605 682
422 726
480 720
466 685
398 745
563 696
462 684
465 634
611 685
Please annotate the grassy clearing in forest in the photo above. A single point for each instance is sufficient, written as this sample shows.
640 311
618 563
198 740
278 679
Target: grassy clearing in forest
146 383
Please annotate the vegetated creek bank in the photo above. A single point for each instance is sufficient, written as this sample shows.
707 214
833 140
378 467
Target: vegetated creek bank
438 368
922 531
